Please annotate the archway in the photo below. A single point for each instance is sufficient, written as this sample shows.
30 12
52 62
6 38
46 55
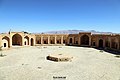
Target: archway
5 42
94 44
52 40
17 40
32 42
45 40
64 41
114 43
26 40
58 41
84 40
101 43
70 41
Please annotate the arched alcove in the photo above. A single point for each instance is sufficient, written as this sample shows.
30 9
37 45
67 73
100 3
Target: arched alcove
5 42
17 40
84 40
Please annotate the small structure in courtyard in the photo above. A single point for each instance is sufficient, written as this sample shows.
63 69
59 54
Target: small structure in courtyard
101 51
59 57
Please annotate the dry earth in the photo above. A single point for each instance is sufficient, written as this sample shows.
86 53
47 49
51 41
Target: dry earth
29 63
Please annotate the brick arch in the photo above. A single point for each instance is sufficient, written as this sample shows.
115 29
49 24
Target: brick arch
52 40
26 40
6 42
45 40
70 41
101 43
58 39
85 40
17 40
114 43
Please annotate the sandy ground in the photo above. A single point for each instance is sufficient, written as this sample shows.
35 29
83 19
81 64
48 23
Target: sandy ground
30 63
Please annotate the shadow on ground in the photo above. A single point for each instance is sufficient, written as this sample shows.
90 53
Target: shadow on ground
109 51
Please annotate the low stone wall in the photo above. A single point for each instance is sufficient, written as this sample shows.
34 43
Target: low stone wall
59 58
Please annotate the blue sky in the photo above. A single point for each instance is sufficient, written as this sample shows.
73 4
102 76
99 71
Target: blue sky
50 15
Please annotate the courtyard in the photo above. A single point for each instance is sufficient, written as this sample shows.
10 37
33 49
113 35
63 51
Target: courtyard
30 63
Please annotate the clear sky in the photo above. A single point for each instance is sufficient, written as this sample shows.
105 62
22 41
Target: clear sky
50 15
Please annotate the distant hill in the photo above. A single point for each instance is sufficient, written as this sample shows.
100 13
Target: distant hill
75 32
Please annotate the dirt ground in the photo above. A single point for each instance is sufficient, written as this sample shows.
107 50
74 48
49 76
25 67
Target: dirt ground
29 63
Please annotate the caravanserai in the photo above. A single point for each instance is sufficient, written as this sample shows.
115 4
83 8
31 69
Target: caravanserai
106 41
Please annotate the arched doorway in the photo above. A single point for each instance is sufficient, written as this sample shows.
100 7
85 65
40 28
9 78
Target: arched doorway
5 42
101 43
84 40
70 41
64 41
52 40
45 40
17 40
58 41
32 42
94 44
114 43
26 40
